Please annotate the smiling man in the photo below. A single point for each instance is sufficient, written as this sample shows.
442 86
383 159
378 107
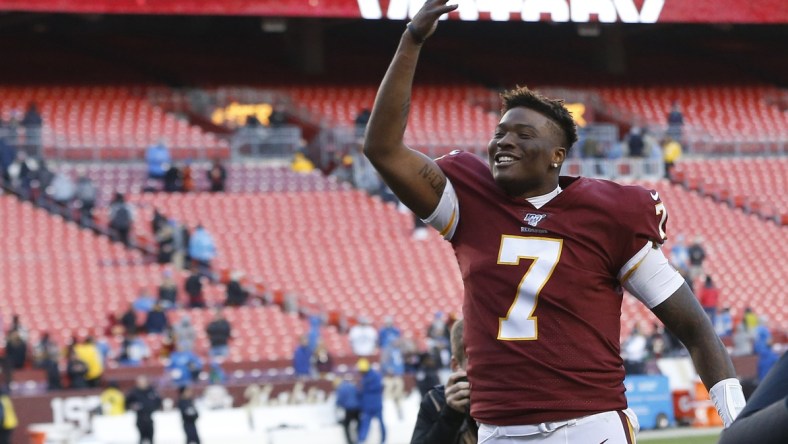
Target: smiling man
543 258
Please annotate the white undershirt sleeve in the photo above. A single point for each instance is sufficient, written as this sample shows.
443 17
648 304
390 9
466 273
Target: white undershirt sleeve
649 276
446 214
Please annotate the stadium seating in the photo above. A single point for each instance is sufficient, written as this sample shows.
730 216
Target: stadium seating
107 123
67 281
755 184
442 118
728 116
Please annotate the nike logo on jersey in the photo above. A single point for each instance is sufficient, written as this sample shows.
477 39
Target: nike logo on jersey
655 195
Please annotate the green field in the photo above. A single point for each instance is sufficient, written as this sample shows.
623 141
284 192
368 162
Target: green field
706 439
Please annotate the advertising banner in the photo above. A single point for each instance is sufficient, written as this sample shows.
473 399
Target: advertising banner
576 11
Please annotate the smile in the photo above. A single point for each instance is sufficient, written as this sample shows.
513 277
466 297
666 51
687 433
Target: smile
504 159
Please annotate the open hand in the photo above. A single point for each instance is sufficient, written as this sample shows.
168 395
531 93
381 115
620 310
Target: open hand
425 21
458 391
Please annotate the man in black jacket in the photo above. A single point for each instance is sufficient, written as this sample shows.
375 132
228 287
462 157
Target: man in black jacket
219 333
144 400
189 415
444 414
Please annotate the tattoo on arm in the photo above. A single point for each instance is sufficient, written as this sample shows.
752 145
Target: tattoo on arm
405 113
433 177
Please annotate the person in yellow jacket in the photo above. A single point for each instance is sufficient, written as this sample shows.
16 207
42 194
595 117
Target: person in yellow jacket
113 401
89 353
301 164
671 152
8 419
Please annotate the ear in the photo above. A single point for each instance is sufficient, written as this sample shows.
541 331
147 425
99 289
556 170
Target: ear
559 155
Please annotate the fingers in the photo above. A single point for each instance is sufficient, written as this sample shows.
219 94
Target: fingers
456 377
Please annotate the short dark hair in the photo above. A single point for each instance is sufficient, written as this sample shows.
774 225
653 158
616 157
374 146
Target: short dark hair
554 109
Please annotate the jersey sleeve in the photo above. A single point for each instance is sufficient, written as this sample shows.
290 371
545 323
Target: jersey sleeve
447 214
642 220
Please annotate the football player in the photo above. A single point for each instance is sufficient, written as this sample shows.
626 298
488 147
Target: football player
543 259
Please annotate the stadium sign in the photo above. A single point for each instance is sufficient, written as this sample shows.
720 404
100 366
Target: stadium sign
578 11
567 11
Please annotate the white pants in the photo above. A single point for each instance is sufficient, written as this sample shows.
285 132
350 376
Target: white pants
616 427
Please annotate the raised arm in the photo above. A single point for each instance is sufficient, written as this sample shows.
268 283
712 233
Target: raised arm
412 176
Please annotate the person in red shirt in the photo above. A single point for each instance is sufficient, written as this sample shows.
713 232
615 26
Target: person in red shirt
710 298
543 258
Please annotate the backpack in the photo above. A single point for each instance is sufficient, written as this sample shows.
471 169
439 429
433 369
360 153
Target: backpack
122 218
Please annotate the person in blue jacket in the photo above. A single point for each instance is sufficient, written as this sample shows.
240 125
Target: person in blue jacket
371 391
348 400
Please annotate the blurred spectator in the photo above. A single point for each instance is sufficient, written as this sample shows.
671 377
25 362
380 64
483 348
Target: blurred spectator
193 287
361 120
62 191
45 349
724 324
217 176
697 254
8 418
301 164
121 219
710 299
751 320
184 367
165 243
371 393
157 221
634 352
392 363
302 358
438 338
388 333
189 415
236 295
278 116
50 365
86 196
202 250
363 338
315 322
762 345
184 334
427 372
129 320
144 400
113 403
168 290
324 363
133 351
87 352
17 326
144 301
635 142
187 178
173 180
675 121
679 255
158 159
742 341
180 243
8 155
219 334
671 152
657 344
156 321
16 350
349 400
76 370
32 122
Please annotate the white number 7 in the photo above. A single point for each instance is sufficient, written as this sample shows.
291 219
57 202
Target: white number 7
520 323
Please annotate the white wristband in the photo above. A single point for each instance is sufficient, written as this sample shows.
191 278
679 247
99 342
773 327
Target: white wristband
728 397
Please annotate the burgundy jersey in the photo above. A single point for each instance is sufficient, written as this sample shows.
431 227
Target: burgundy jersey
542 301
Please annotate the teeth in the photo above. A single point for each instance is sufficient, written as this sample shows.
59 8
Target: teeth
505 159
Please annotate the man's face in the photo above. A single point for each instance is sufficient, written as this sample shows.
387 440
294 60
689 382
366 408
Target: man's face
522 150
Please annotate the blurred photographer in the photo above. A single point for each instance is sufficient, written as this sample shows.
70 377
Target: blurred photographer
444 414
